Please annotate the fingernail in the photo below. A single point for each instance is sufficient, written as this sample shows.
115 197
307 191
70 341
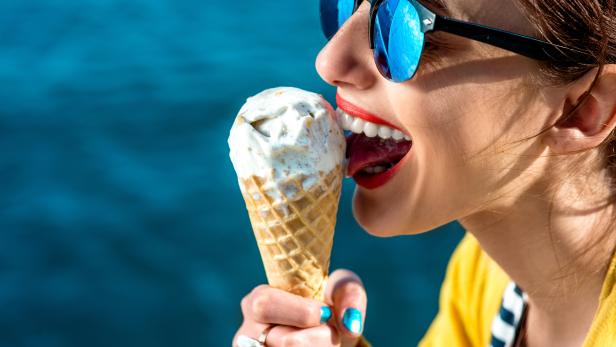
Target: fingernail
352 320
326 314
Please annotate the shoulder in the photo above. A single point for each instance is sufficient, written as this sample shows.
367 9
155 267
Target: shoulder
603 331
471 294
483 282
472 271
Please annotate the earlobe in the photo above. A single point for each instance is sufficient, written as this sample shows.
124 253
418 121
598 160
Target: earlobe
592 121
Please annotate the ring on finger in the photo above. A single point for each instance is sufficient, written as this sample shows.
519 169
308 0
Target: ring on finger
245 341
263 336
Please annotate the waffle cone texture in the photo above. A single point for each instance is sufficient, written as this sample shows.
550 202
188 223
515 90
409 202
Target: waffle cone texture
294 228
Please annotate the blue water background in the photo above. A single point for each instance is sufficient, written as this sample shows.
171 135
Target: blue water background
121 223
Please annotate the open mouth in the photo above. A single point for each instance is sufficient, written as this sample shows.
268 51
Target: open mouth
375 149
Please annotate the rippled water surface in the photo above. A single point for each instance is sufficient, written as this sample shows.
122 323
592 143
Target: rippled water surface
121 223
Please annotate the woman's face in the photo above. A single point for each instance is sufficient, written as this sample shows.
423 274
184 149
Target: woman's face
465 107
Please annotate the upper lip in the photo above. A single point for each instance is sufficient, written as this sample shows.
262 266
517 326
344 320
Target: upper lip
359 112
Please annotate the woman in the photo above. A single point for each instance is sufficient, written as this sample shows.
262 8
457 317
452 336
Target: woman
512 137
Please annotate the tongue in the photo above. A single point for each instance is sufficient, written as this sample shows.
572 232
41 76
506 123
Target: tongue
364 152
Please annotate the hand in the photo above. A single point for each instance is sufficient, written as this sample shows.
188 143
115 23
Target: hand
298 321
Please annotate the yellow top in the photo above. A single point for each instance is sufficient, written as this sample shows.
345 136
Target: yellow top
472 293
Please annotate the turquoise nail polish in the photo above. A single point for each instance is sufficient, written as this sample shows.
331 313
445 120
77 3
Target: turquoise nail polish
326 314
352 320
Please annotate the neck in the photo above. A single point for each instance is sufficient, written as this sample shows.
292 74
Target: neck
546 245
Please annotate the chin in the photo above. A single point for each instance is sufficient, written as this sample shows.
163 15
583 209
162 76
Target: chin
382 217
381 220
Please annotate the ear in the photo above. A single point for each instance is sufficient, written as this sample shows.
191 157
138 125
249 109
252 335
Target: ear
594 119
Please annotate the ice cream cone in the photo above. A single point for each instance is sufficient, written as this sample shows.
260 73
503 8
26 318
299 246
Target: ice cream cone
294 228
288 152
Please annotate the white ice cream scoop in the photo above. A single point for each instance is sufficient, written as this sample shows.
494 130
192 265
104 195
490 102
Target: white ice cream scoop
286 131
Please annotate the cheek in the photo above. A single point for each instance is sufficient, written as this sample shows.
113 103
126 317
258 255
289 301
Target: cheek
457 159
444 126
456 135
461 122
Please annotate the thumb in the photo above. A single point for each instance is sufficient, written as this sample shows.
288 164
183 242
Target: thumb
347 294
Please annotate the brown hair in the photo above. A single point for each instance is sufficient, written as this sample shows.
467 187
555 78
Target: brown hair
588 26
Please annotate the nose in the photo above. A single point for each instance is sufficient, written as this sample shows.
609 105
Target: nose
346 60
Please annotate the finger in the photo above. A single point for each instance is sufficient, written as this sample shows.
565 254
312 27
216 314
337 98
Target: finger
249 329
274 306
322 336
349 299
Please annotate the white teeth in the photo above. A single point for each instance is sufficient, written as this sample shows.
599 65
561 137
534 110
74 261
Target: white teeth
371 129
385 132
397 135
358 126
340 117
347 121
344 120
374 169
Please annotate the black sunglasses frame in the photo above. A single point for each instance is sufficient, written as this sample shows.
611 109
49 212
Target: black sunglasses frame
527 46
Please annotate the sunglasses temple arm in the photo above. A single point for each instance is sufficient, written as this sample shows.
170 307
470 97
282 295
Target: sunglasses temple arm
524 45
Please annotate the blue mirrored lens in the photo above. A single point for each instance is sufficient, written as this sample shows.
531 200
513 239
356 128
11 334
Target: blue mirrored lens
398 40
333 15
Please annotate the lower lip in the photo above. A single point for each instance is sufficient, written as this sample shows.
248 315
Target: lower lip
379 180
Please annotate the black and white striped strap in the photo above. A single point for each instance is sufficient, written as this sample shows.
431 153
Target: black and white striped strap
505 324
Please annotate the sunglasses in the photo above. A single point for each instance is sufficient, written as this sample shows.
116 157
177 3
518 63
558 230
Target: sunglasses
398 29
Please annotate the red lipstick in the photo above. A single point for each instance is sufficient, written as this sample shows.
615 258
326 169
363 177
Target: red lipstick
364 152
358 112
378 180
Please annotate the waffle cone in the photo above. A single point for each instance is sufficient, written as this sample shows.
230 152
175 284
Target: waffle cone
294 228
